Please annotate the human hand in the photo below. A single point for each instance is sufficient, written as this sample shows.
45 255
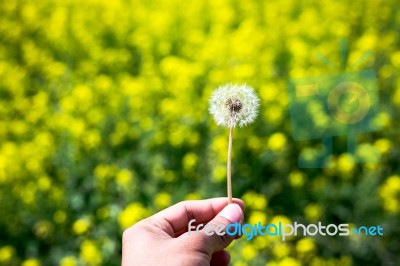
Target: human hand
162 239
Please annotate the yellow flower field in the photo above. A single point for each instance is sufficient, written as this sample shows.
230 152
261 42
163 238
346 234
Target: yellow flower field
104 120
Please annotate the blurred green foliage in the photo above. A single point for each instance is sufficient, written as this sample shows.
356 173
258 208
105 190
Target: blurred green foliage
104 121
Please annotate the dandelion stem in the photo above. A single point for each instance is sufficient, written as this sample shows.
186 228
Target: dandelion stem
229 166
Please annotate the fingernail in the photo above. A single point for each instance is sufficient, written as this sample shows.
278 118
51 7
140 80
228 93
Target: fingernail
232 212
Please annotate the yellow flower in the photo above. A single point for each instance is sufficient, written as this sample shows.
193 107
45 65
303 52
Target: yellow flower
133 213
192 196
305 245
124 177
281 249
261 242
276 141
162 200
240 263
90 253
68 261
280 219
219 173
91 139
390 194
82 94
312 211
255 201
367 153
44 183
31 262
296 179
283 220
81 226
345 165
383 145
104 171
288 261
189 161
257 216
248 252
6 254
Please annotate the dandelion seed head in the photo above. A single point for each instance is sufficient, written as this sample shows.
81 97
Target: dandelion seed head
234 105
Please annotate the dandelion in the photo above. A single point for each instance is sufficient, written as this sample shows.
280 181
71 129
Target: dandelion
231 106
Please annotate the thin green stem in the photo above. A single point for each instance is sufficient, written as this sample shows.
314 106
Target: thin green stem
229 166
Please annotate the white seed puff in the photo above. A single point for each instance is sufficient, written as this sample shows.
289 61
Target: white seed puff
233 105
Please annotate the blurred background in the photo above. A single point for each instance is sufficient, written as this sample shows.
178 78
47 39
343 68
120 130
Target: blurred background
104 120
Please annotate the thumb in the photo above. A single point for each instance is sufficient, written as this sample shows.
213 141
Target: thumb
213 236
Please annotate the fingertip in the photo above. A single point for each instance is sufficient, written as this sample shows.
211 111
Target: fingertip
233 212
240 203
